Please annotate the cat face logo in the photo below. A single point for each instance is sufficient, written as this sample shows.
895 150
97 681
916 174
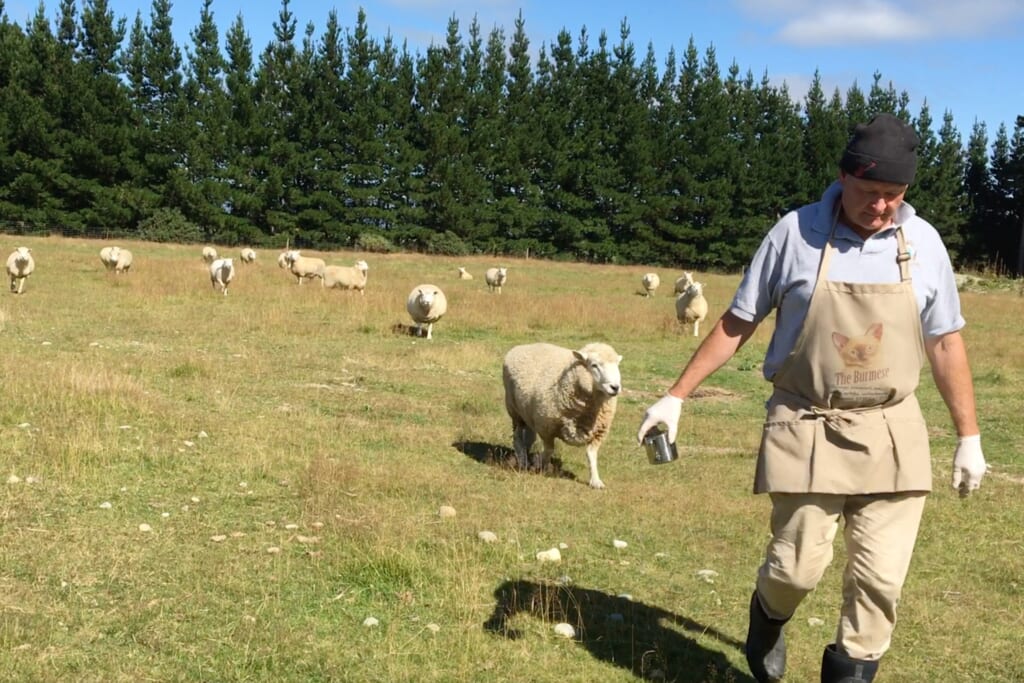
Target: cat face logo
860 351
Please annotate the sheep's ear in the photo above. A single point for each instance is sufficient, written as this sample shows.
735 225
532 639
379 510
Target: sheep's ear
619 360
579 356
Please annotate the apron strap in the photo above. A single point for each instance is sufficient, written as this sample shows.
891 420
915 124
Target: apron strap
903 255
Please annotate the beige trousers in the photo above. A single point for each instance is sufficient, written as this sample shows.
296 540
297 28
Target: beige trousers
879 531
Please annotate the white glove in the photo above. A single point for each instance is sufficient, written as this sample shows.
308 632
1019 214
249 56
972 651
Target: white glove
968 464
664 411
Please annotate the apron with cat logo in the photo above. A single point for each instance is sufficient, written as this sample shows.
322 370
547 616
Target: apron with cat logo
843 417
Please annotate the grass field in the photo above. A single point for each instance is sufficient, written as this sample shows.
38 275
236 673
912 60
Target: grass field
210 488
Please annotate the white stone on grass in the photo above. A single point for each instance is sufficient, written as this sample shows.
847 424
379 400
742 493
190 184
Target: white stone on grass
273 550
815 621
370 622
218 538
106 505
14 479
550 555
487 536
145 528
619 544
565 630
706 575
433 628
445 511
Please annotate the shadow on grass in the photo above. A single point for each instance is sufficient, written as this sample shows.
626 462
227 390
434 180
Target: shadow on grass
504 458
650 642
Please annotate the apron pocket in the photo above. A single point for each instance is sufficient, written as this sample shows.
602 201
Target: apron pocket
913 455
784 460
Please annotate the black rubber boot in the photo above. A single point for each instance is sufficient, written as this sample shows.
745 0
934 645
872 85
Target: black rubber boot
838 668
765 647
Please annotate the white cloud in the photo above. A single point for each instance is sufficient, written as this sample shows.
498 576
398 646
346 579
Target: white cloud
865 22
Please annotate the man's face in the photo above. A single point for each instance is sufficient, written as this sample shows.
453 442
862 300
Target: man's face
869 205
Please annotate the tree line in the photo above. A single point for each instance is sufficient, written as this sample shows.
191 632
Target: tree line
585 151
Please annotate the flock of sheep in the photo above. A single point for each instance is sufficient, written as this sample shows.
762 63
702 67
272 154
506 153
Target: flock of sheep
551 392
691 306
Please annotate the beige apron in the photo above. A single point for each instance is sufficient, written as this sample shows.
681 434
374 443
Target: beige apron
843 417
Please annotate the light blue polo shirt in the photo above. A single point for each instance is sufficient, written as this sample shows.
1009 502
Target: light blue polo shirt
782 274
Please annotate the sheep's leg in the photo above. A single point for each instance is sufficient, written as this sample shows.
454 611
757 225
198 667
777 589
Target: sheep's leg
14 284
522 441
696 326
430 326
544 458
595 478
21 284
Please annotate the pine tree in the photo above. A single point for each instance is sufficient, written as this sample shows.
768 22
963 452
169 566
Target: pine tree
203 122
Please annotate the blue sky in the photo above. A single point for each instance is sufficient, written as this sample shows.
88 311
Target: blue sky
960 56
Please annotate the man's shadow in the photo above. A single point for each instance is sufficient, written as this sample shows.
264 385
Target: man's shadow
504 457
650 642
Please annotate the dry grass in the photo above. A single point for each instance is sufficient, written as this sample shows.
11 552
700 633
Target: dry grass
290 451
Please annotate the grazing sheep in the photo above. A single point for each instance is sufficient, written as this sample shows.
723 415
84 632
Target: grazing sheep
683 281
650 281
554 392
464 274
495 278
209 254
346 277
426 305
109 256
692 307
20 265
248 255
304 267
124 261
222 272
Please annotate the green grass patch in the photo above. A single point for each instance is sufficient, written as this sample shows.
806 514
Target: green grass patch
210 488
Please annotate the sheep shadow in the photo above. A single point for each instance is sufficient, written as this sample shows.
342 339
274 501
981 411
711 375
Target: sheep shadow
403 330
503 457
650 642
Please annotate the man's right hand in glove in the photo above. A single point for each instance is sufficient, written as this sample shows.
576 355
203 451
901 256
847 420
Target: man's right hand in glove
665 411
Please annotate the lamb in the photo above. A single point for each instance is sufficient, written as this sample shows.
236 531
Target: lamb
554 392
650 282
692 307
304 267
683 281
124 261
248 255
209 254
346 277
426 305
20 265
495 278
109 255
222 272
464 274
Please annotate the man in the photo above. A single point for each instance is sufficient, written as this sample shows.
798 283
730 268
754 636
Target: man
863 291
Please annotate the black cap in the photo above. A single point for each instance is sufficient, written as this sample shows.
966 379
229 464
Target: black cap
883 150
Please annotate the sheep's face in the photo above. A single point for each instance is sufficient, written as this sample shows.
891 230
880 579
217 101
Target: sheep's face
291 256
363 266
605 372
426 297
115 253
22 254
